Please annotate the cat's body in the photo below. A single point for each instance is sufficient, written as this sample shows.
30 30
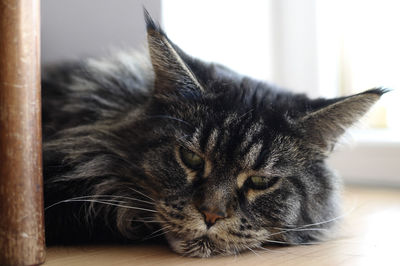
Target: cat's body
137 146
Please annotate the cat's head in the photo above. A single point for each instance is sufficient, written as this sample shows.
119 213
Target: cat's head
234 163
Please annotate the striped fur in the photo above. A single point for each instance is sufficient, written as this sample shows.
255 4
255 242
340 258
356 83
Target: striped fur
113 128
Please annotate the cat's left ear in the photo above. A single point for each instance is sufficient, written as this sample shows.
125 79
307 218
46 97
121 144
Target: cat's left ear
172 74
325 125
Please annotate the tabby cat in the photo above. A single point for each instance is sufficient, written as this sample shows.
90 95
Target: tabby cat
140 146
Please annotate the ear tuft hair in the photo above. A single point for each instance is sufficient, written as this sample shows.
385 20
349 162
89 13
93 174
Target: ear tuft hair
151 25
378 91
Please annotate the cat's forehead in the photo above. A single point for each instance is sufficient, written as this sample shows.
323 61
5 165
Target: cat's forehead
244 143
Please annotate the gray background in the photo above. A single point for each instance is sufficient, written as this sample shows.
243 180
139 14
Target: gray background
78 28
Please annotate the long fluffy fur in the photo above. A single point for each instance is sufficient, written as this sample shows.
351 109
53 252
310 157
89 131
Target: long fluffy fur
113 128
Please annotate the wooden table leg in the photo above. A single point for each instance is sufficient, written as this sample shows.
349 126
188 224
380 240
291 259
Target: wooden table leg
21 188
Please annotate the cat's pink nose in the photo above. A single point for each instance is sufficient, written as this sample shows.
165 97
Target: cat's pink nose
211 217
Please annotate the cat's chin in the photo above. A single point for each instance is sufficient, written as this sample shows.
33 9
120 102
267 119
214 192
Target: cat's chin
201 247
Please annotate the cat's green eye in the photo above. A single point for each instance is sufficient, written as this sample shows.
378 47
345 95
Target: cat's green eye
191 159
261 182
258 181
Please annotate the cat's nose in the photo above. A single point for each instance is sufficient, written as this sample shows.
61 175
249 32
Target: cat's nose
211 216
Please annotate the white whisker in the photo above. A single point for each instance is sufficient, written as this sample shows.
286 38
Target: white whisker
159 230
157 235
323 222
302 228
102 202
270 250
101 197
288 243
141 193
251 250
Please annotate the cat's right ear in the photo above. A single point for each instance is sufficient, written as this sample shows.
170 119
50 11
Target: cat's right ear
172 74
325 125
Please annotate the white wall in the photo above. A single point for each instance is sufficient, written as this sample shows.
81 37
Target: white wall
76 28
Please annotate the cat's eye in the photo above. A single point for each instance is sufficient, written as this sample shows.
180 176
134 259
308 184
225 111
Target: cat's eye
261 182
191 159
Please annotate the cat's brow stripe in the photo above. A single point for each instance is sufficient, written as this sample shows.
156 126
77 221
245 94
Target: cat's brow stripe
253 154
250 135
212 140
254 139
260 159
206 132
229 120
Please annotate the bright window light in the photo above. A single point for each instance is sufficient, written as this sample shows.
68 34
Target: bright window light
359 38
234 33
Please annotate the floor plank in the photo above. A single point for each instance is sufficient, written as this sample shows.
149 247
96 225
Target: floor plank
368 235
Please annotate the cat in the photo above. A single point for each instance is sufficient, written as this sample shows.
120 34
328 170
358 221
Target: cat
159 144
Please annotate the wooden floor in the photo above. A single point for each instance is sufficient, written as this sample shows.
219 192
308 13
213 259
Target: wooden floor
369 235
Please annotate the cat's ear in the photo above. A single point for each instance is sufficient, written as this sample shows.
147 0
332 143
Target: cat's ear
172 74
325 125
